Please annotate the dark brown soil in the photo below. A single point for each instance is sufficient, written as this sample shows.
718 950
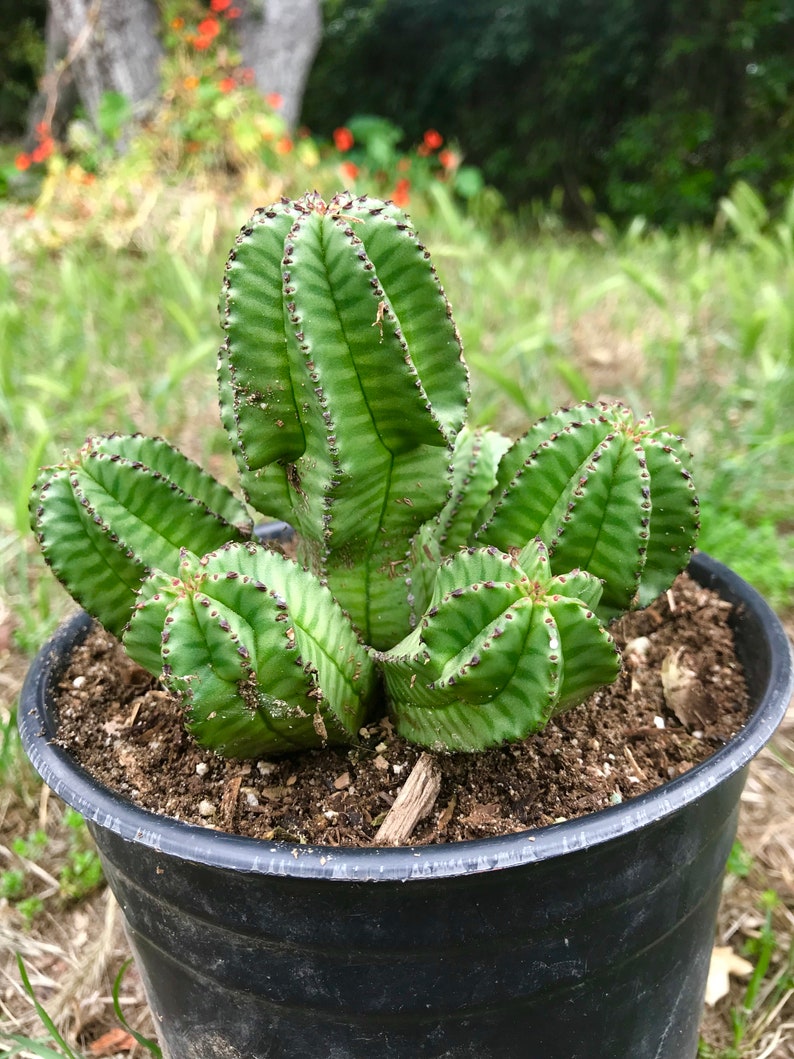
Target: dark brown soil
625 740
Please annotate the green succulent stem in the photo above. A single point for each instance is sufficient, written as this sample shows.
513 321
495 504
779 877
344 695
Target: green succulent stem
349 441
123 505
263 655
606 492
503 646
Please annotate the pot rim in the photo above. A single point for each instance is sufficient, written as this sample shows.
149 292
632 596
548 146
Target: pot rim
105 809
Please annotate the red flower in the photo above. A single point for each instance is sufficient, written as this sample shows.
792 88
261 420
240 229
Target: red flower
284 145
343 138
274 100
432 139
219 5
349 171
248 76
43 129
44 150
233 12
22 162
210 28
400 195
448 159
201 43
228 84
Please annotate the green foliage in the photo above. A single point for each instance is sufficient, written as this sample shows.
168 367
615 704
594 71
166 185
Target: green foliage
740 861
79 873
40 1049
626 108
344 393
376 156
21 60
145 1042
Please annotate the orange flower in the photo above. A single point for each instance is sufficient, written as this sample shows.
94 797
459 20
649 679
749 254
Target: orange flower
191 82
177 23
219 5
43 129
349 171
201 43
274 100
22 162
343 138
432 139
400 196
448 159
228 84
233 12
210 27
44 150
284 145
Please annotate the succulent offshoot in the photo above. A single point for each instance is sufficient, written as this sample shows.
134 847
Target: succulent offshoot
262 654
607 493
121 506
504 646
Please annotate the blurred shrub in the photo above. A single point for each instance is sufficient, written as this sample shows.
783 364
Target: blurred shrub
21 60
622 107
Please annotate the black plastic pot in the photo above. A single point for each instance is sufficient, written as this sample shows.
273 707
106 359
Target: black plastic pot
586 940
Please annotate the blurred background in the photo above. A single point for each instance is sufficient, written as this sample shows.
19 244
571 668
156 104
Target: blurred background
607 189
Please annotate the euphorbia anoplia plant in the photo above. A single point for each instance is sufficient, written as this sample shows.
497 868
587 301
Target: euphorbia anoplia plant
463 578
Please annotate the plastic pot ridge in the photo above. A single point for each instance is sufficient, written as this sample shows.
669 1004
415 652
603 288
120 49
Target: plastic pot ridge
589 939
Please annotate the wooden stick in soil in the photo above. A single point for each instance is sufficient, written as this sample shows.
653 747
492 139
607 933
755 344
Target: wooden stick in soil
414 802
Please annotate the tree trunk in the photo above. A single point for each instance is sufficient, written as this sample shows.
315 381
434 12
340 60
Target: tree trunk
57 97
278 40
111 46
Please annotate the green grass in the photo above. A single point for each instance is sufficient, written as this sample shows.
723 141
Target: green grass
101 333
764 992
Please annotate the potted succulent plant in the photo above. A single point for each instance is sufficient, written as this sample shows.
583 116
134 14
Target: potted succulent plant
460 581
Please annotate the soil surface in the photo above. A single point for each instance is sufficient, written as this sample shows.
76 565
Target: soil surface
680 697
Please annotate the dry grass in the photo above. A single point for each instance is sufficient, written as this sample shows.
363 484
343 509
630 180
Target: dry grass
766 829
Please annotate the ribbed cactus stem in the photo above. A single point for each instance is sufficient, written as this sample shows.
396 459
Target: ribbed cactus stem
262 653
607 493
475 460
503 647
342 386
122 506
